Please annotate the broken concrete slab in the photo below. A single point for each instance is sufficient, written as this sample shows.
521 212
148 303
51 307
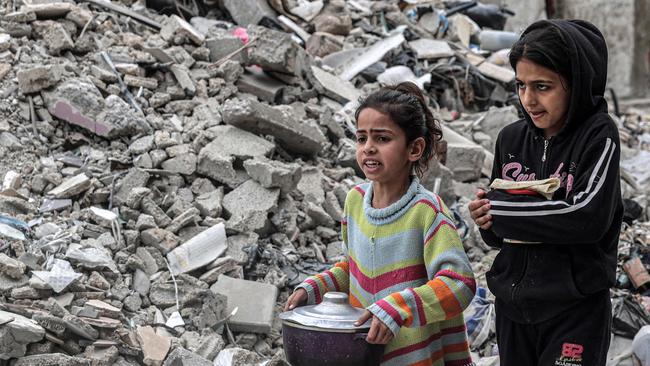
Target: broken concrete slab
245 12
199 251
53 9
154 346
465 161
55 36
261 85
238 143
17 332
210 203
431 48
249 206
135 178
177 26
311 185
334 87
275 51
161 239
11 267
71 187
182 357
252 316
183 164
372 54
273 173
259 118
34 79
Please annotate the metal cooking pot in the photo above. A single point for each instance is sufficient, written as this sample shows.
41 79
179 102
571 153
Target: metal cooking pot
325 335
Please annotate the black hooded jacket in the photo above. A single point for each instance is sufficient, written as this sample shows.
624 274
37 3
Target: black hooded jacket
578 228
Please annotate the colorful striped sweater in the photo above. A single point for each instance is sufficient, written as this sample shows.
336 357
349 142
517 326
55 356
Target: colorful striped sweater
405 264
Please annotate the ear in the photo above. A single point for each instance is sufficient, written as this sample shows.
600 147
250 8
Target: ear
416 149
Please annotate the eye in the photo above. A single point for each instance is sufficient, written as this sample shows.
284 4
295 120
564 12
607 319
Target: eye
520 85
542 87
361 139
383 139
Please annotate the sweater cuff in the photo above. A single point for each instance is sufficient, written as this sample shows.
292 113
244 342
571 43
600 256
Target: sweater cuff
385 318
311 297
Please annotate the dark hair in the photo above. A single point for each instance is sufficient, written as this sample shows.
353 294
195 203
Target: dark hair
544 46
405 105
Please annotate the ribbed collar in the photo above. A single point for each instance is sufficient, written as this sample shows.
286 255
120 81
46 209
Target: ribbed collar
380 216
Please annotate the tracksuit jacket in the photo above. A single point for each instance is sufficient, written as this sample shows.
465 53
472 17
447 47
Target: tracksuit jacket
577 230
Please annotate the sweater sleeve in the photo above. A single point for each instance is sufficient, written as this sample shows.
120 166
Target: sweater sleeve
488 236
583 217
336 278
449 290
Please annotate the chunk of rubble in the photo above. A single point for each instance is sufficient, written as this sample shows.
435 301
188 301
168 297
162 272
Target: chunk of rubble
16 332
154 346
255 317
250 205
259 118
34 79
274 174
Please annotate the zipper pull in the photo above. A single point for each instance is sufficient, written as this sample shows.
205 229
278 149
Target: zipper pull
545 146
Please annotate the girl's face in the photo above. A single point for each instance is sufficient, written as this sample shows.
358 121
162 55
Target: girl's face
382 150
544 95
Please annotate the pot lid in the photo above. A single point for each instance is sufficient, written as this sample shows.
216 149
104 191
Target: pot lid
334 313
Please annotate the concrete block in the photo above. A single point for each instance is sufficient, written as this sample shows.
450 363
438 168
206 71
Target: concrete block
239 143
182 357
71 187
275 51
249 206
11 267
78 101
252 316
182 75
135 178
334 87
31 80
142 145
176 26
56 38
48 9
136 82
210 203
17 332
154 346
259 118
160 239
183 164
261 85
430 48
465 161
495 119
311 185
222 43
274 174
52 359
245 12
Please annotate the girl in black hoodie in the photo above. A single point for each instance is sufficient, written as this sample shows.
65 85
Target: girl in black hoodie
557 261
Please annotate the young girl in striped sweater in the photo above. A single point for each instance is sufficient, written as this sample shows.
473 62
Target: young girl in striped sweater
405 263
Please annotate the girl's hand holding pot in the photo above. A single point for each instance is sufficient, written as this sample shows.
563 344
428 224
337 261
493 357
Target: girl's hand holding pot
379 333
298 298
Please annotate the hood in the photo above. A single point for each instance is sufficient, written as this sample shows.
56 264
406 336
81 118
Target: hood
588 54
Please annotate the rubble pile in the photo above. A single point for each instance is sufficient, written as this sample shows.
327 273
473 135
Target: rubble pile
171 173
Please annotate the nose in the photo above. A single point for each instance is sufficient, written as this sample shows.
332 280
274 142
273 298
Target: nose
369 147
527 97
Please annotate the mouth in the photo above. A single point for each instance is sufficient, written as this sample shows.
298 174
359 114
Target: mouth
371 164
536 114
